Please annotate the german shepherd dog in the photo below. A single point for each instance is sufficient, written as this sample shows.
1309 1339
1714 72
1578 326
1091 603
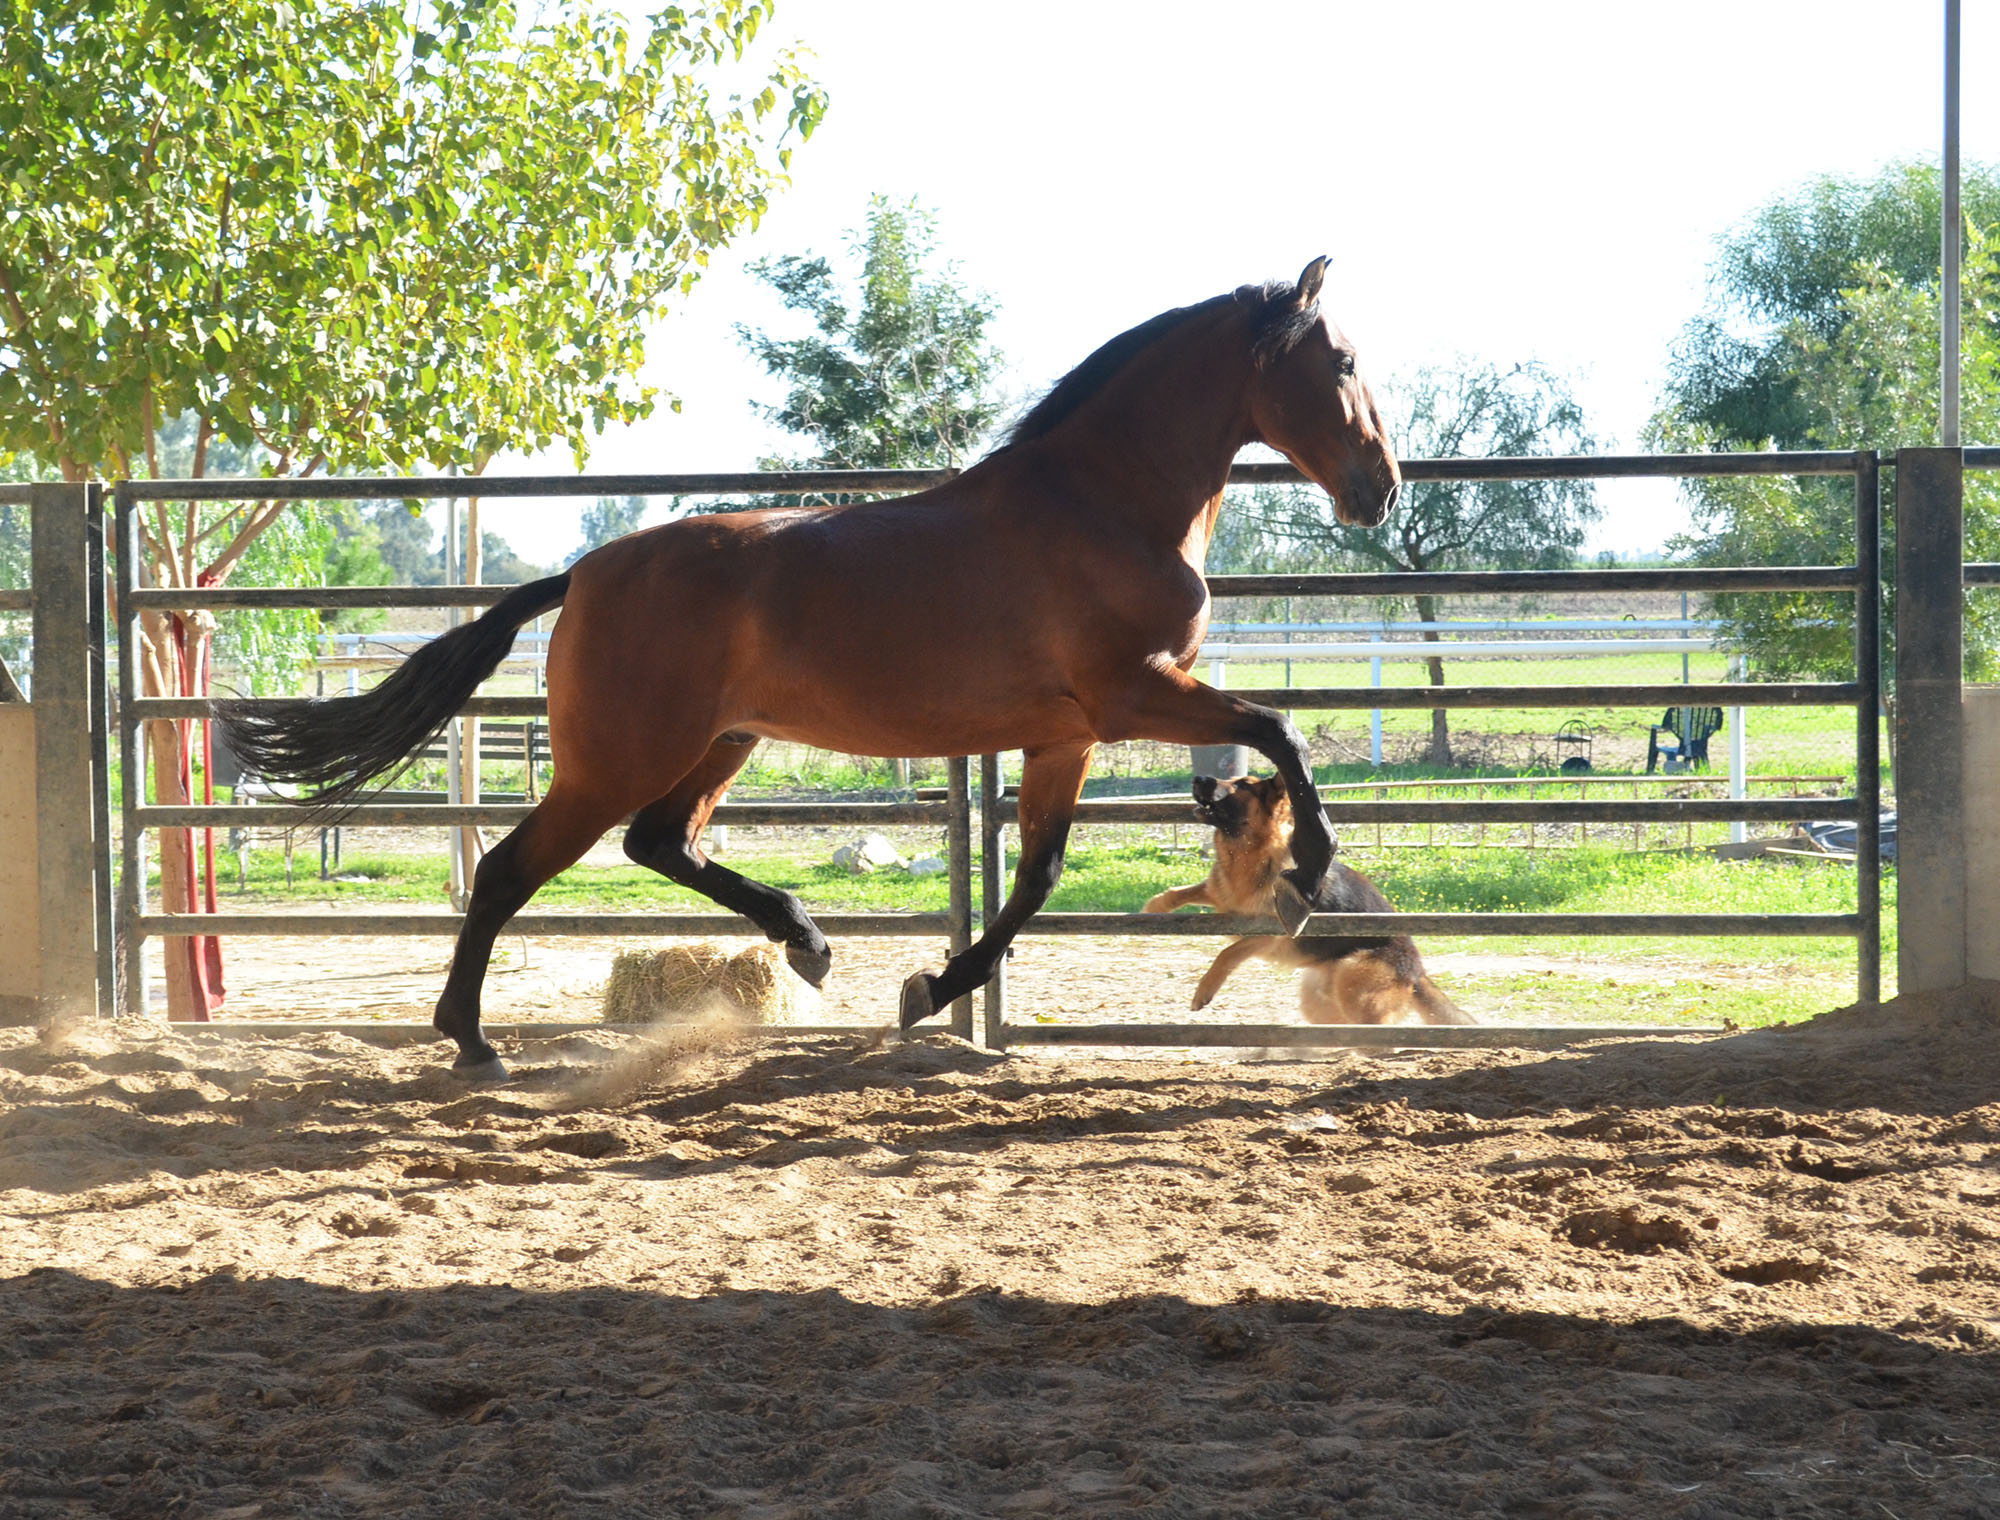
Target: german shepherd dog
1348 980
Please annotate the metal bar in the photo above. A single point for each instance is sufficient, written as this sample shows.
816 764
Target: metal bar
13 600
992 857
1771 925
543 925
1363 584
1663 810
132 767
474 707
14 494
1350 1036
958 857
1930 719
1982 459
403 1032
1313 698
1717 694
434 487
1007 810
1868 729
1462 649
1980 573
100 758
1951 235
497 814
1535 582
867 482
322 598
65 852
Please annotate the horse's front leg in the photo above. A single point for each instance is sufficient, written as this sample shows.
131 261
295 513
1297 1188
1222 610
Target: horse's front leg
1051 781
1172 707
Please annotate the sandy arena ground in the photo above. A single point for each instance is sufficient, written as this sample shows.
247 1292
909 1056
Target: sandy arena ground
710 1275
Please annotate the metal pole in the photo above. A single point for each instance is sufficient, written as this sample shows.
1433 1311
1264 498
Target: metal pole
100 758
1930 719
461 868
1868 726
992 866
958 837
131 765
1951 234
469 844
1375 717
1739 782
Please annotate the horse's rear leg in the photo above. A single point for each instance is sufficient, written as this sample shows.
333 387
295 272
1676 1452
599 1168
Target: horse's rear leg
1051 781
548 840
665 837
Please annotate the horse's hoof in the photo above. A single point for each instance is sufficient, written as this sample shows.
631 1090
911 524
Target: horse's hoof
811 965
479 1066
1293 906
919 998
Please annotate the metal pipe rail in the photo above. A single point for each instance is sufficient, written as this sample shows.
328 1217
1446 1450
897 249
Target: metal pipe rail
1859 579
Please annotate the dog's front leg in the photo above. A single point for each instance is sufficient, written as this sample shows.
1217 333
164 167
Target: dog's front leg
1234 954
1179 897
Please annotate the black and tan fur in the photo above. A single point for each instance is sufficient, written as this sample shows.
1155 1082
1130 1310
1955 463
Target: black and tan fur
1347 980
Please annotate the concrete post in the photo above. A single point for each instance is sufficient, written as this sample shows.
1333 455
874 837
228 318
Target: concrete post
1982 832
1930 719
66 851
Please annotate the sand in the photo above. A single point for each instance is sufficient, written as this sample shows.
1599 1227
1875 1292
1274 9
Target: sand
717 1274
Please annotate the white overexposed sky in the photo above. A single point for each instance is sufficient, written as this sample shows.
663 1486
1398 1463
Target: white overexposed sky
1530 179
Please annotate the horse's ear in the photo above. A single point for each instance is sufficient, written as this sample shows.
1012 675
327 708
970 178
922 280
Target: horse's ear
1309 283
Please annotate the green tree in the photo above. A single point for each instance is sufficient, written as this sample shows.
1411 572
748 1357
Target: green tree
607 518
356 236
1466 410
1741 374
1822 333
897 372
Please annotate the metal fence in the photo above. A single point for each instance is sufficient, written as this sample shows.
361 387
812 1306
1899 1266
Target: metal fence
997 810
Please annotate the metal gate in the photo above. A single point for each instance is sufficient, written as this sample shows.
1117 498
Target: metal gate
1863 694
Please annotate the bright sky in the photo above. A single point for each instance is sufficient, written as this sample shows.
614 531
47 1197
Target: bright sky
1505 181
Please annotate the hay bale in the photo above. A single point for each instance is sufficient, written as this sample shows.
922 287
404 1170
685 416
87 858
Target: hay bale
689 980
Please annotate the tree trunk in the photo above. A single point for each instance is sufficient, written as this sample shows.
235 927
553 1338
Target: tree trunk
1439 753
161 675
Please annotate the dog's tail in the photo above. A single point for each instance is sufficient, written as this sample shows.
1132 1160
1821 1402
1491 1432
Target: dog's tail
1433 1007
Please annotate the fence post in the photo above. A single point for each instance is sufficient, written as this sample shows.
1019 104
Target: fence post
992 861
66 849
1868 724
958 836
1930 718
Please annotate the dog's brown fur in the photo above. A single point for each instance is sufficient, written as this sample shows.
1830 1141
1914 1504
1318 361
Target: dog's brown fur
1347 980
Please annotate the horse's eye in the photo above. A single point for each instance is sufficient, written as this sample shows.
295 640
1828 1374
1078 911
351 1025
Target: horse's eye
1343 364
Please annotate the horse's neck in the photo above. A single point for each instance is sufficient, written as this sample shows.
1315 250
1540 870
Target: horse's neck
1161 436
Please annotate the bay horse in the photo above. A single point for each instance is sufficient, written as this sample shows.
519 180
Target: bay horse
1049 599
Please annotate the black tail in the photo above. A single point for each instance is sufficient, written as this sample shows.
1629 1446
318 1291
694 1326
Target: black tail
337 745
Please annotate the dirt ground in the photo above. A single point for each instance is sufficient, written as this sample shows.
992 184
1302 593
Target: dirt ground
712 1274
1075 979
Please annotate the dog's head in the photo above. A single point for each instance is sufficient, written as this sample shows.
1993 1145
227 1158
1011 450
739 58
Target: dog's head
1247 805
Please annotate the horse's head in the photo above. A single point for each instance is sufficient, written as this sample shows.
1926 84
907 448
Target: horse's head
1310 403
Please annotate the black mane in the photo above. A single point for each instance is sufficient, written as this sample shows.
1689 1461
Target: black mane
1275 327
